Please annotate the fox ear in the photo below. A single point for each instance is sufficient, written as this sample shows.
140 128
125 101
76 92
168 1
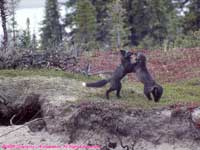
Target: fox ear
123 52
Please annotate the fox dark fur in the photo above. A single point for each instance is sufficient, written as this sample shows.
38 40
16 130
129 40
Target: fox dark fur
115 80
143 75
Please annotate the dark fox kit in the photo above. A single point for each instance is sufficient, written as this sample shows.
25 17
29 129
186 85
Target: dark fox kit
115 80
143 75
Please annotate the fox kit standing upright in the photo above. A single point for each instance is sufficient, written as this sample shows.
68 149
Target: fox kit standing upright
143 75
115 80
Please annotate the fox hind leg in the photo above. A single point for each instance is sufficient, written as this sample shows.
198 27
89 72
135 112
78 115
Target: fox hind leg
118 91
147 93
108 91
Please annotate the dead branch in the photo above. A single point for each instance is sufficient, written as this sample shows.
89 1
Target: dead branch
26 124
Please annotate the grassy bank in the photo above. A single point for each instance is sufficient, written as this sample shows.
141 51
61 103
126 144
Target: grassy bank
45 73
187 91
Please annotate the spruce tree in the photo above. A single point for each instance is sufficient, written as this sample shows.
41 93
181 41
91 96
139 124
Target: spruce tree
149 20
4 22
25 38
28 32
12 5
85 22
51 27
162 21
118 31
102 8
137 20
34 43
102 19
192 18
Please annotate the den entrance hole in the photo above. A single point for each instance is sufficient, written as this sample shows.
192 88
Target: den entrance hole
13 114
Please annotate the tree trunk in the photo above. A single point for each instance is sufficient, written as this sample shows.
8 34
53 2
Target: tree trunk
118 39
3 18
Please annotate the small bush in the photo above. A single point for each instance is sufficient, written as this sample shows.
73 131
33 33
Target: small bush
148 43
190 40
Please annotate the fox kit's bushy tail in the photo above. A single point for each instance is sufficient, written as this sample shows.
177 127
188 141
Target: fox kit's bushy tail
97 84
